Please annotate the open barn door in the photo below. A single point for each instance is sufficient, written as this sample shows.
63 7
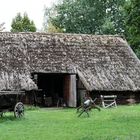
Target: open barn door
70 90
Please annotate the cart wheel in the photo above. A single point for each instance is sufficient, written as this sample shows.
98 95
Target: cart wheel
19 110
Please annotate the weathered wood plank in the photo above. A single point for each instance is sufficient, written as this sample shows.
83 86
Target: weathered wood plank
11 92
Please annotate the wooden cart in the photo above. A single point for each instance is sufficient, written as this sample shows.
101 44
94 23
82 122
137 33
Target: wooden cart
11 101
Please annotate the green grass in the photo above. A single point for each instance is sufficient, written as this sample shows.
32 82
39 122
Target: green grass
122 123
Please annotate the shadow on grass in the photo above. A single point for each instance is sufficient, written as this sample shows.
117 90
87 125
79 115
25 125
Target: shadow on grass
9 117
30 107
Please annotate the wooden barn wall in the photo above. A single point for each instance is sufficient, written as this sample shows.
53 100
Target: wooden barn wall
123 97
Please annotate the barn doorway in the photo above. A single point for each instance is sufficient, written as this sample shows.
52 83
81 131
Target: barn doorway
55 90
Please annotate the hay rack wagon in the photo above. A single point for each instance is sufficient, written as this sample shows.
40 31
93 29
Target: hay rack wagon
10 101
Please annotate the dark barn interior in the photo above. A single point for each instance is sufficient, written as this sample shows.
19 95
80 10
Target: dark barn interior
51 89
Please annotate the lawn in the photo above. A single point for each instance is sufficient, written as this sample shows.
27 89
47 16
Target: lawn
122 123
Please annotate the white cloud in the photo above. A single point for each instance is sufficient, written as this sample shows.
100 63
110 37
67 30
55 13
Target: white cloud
34 9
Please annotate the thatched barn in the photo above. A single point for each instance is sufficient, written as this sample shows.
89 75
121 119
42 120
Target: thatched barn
63 66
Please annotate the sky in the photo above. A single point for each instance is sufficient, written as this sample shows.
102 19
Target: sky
34 9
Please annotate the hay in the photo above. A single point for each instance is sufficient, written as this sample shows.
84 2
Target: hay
26 82
16 81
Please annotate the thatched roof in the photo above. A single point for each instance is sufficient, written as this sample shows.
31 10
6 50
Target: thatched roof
102 62
16 81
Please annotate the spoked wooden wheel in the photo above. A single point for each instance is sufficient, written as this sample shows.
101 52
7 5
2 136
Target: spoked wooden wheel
19 110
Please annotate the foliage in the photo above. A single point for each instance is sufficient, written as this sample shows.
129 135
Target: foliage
132 10
88 16
2 26
22 24
115 17
52 29
47 25
121 123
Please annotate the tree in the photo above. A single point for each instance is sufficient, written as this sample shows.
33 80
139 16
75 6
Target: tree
22 24
133 25
115 17
47 25
88 16
2 26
